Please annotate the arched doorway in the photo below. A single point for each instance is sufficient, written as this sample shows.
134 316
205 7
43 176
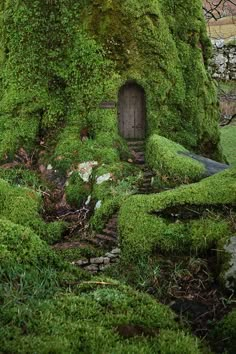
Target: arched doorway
132 111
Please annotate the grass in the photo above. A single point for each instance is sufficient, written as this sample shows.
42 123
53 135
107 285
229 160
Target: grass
228 141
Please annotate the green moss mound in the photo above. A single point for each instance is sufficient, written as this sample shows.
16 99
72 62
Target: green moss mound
145 222
163 156
20 245
115 316
22 206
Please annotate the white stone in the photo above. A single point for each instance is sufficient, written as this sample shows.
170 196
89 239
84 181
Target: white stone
49 167
220 59
97 260
110 255
219 43
88 200
106 260
81 262
92 268
103 178
98 205
85 169
116 251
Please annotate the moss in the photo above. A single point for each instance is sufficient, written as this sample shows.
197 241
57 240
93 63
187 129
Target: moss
228 136
144 227
20 245
55 74
77 191
22 177
54 231
22 206
163 156
112 193
105 315
225 333
74 254
102 214
167 56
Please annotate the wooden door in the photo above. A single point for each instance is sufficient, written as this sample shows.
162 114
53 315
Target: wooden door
132 112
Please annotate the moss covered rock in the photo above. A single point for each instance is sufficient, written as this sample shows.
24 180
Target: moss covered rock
189 218
163 155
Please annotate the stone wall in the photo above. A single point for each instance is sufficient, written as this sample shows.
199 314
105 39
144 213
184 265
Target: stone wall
223 66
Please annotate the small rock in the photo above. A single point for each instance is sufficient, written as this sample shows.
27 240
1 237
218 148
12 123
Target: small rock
98 205
106 260
116 251
98 260
110 255
92 268
103 178
49 167
88 200
81 262
85 169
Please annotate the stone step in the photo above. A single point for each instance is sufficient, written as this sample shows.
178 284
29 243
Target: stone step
110 232
112 226
148 174
137 151
146 185
140 161
135 142
106 238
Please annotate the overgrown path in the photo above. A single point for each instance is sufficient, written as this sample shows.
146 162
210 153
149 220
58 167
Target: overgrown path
107 239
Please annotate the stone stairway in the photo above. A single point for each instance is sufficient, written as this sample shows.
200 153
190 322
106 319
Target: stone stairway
108 237
137 150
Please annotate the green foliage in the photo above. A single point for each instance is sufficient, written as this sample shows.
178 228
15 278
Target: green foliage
77 323
20 245
72 254
124 178
225 333
228 138
77 190
142 230
51 72
22 206
163 156
22 177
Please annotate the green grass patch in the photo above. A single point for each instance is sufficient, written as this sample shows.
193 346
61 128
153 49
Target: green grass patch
228 142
